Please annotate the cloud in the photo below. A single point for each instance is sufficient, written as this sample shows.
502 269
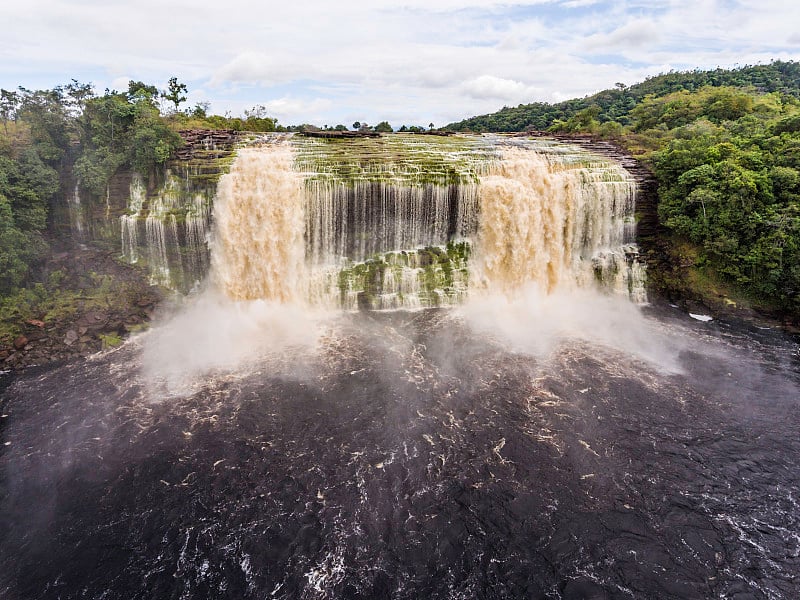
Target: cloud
491 87
413 62
634 34
255 67
294 108
120 84
580 3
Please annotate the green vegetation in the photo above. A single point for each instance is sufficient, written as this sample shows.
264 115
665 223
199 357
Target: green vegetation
728 165
119 129
43 131
32 144
383 127
254 119
615 105
174 92
440 273
400 159
47 133
60 298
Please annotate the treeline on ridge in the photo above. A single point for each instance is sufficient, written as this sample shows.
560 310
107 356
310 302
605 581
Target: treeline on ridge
615 105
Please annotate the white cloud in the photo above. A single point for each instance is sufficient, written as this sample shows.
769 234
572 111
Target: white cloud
291 109
255 67
410 62
497 88
120 84
634 34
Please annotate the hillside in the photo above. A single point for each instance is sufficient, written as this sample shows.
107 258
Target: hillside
616 104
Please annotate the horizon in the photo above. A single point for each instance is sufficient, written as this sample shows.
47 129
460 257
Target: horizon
329 65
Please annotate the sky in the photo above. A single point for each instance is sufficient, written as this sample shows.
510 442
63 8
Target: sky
410 62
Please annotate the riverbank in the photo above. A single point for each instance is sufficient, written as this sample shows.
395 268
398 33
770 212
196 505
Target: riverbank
91 301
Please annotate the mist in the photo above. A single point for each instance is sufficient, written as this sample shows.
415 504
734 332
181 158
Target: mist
212 334
538 323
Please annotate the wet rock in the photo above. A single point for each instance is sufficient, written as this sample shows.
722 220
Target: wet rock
36 335
71 337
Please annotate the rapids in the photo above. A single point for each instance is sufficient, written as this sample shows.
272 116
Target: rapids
406 456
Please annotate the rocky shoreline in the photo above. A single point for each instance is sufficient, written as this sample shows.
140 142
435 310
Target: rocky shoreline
102 301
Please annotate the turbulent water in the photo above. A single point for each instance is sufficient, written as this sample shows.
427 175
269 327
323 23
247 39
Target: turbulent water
547 438
405 456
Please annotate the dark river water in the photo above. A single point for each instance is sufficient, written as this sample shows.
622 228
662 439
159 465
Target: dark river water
409 457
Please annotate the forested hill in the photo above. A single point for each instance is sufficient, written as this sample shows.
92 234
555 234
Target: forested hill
614 105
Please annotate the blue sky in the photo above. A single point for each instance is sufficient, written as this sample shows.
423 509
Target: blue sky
411 62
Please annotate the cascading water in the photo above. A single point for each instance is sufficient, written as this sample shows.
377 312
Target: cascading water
258 448
556 218
392 222
77 224
129 223
258 248
168 230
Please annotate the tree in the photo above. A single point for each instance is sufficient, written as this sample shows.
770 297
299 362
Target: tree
383 127
45 112
174 91
200 110
9 101
357 125
78 94
138 90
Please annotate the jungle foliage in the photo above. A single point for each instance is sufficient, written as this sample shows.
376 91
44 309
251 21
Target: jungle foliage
728 166
615 105
43 132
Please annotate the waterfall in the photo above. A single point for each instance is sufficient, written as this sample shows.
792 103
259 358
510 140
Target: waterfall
554 220
129 222
258 250
76 214
400 222
168 231
369 218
